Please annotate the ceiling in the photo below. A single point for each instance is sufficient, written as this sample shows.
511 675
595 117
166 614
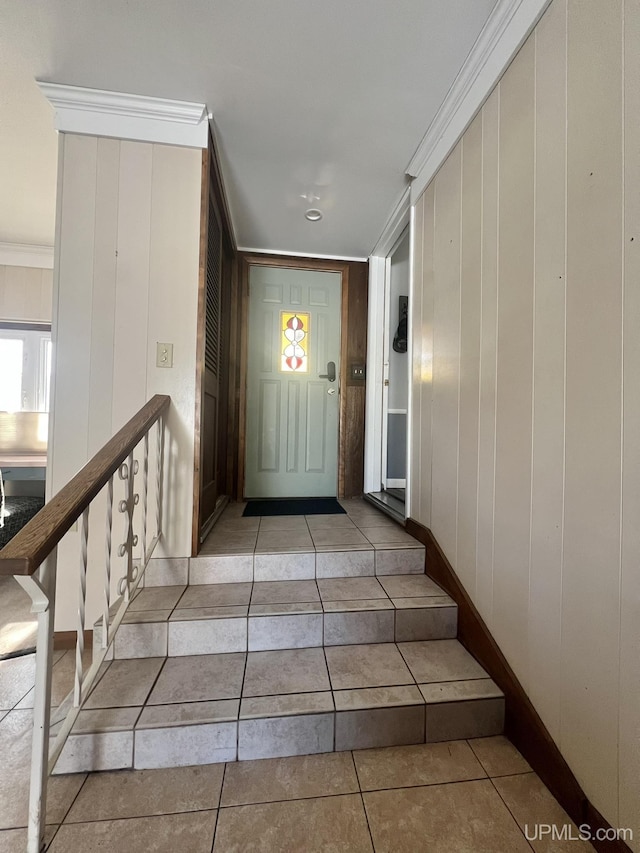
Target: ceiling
326 99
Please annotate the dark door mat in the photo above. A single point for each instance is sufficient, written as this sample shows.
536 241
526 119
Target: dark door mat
293 506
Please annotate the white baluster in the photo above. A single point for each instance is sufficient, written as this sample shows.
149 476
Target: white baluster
107 573
159 475
84 540
145 486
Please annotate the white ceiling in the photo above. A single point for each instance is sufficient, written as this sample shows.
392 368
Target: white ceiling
322 97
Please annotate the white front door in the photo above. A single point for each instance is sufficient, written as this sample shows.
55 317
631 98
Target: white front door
292 402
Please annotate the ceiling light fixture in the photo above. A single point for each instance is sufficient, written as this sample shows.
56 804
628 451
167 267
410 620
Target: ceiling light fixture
313 214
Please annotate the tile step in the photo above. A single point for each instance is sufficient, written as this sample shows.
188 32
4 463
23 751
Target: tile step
447 696
240 617
305 564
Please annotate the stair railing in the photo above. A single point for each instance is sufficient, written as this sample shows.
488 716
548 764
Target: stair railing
31 557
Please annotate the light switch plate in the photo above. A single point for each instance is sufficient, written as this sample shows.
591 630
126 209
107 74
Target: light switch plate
164 355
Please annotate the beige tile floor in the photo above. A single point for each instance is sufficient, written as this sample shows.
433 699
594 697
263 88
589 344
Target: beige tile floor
362 528
464 796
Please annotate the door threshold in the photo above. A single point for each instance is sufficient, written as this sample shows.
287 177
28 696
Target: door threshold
388 504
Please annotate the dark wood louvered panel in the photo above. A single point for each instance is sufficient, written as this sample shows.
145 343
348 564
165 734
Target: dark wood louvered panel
212 336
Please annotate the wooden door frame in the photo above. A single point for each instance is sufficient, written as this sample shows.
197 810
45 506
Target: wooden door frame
289 262
211 182
200 341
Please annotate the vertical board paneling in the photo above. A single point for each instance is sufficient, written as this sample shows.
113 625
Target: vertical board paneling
73 331
558 420
132 281
471 258
488 340
104 303
515 358
545 609
426 364
171 316
446 353
72 344
629 697
591 574
106 311
416 485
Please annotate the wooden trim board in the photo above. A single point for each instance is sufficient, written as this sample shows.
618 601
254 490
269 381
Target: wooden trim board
523 725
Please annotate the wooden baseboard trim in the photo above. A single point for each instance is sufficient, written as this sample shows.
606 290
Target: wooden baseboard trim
523 725
67 640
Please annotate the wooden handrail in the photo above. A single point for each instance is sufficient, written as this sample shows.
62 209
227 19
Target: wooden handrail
26 551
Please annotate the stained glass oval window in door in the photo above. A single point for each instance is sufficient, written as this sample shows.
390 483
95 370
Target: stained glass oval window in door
295 342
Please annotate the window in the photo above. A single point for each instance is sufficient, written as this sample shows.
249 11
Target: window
25 369
295 346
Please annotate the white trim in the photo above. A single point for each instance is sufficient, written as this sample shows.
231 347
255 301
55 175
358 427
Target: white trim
507 27
410 401
396 483
386 349
26 255
373 400
97 112
397 222
251 251
396 411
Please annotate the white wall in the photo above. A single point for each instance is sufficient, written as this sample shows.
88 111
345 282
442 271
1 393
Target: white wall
126 276
25 294
398 368
526 399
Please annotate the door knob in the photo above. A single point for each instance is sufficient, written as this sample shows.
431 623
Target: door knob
331 372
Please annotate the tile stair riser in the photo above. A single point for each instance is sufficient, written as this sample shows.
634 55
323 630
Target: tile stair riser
281 736
260 633
348 562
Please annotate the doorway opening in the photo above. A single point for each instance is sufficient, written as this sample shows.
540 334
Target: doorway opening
336 375
293 383
395 383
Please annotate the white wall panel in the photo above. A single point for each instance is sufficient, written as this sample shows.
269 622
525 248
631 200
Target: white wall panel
132 280
515 361
446 352
543 290
488 355
629 695
103 314
128 226
426 364
416 298
470 281
591 570
547 488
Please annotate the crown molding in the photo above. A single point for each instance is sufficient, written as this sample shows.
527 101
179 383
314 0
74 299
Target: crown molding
26 255
250 251
397 222
506 29
96 112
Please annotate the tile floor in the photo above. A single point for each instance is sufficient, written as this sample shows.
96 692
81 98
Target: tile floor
463 796
362 528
